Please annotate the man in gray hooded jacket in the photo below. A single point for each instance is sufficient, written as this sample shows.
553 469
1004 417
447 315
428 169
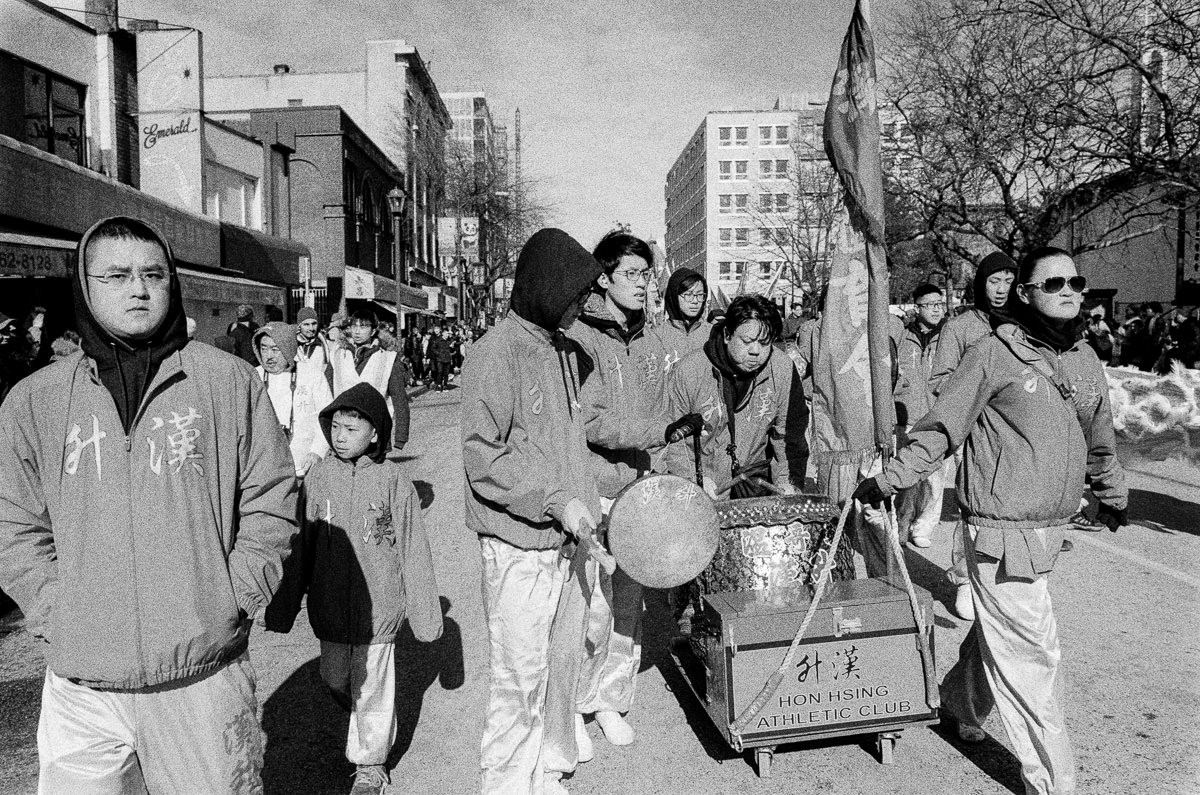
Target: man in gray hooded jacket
147 502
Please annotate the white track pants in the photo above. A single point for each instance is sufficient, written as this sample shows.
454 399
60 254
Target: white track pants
1010 660
613 648
363 679
202 735
536 611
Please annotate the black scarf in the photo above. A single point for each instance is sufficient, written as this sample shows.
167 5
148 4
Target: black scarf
1059 335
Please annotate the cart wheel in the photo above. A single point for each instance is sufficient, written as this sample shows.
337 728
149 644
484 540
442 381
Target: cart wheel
762 761
885 744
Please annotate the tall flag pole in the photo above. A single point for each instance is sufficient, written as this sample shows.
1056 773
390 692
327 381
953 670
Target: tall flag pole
852 367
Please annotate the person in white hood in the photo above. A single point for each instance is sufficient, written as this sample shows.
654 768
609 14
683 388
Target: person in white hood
297 394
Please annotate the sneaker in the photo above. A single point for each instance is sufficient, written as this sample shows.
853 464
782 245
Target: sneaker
1081 522
582 741
964 602
369 780
920 542
616 730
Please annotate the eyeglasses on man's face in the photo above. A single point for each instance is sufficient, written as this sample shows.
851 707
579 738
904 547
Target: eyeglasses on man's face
932 305
1055 284
634 275
692 297
124 277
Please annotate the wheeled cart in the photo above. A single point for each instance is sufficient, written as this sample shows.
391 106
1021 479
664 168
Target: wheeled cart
857 671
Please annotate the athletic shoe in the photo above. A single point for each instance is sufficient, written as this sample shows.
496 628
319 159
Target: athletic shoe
1081 522
616 730
920 542
964 602
369 780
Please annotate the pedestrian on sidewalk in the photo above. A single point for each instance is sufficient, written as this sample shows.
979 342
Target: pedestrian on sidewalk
441 352
296 394
312 349
371 569
142 532
685 329
361 360
624 405
1025 407
531 498
242 330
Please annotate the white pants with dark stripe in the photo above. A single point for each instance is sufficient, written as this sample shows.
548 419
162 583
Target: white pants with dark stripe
363 679
201 735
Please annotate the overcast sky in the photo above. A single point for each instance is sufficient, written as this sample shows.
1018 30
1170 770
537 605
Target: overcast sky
609 92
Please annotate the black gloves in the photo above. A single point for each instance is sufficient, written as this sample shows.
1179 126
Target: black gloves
869 492
1112 517
685 426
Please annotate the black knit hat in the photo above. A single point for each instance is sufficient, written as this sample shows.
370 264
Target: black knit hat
366 400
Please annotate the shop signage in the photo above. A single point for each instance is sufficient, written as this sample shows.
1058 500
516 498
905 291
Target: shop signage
17 260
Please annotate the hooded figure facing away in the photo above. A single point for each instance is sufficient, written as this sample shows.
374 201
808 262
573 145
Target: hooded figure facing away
143 529
297 393
529 495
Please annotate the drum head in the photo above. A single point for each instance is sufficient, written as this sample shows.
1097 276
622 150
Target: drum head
663 530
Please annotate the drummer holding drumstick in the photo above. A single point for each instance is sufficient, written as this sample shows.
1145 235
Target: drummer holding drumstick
752 403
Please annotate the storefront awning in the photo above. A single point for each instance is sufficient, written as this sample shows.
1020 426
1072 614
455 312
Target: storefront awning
405 310
227 288
259 256
33 255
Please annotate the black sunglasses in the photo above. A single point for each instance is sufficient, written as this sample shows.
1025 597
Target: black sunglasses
1055 284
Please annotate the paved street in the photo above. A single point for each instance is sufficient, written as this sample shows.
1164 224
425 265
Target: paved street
1127 610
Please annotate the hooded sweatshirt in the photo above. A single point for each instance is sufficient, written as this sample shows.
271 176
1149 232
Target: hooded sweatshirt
298 394
679 335
915 352
372 566
140 557
624 396
524 447
961 332
126 368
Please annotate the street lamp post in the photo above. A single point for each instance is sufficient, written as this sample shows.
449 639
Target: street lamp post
397 199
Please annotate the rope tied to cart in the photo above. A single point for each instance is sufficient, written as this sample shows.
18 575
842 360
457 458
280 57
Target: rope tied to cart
776 678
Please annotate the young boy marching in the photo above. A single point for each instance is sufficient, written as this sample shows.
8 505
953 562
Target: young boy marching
372 568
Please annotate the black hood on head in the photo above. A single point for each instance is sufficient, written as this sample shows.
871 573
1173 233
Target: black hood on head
553 271
675 286
366 400
993 263
125 368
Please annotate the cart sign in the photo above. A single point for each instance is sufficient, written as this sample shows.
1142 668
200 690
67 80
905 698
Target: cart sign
852 680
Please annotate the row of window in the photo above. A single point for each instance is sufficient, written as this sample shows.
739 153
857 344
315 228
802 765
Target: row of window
739 236
734 269
740 203
740 169
768 135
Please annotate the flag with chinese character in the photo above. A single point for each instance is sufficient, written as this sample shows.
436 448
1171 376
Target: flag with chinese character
853 413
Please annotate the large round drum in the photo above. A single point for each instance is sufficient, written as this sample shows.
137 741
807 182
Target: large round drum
662 530
768 542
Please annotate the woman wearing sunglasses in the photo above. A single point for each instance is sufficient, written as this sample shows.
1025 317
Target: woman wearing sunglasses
1029 407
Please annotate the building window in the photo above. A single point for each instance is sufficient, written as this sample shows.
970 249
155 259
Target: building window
781 134
765 269
724 136
726 238
725 270
739 137
725 169
741 202
741 238
781 202
764 135
54 111
766 202
295 103
781 169
765 238
741 169
231 196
